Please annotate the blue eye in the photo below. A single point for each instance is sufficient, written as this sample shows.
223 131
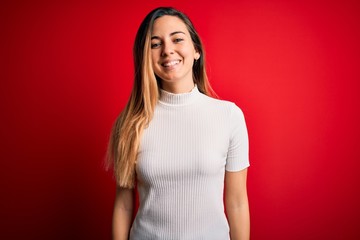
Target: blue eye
155 45
178 40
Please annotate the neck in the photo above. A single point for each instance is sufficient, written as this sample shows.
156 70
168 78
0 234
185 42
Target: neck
179 99
177 88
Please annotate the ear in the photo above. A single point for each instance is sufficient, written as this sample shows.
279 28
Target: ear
197 55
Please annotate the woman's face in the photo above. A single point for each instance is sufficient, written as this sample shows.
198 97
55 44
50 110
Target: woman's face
173 54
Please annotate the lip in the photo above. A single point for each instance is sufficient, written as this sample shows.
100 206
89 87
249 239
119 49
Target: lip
170 63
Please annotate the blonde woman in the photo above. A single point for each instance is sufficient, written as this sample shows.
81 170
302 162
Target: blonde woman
179 144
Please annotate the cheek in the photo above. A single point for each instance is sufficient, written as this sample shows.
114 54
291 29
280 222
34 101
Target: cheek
153 59
189 51
155 55
155 66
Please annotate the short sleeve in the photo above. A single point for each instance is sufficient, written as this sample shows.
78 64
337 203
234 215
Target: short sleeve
238 152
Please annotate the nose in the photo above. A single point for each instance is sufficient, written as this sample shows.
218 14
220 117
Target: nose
167 49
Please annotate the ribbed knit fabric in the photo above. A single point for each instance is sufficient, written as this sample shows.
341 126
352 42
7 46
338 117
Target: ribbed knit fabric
190 142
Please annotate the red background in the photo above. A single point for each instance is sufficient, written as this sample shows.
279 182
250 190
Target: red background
66 72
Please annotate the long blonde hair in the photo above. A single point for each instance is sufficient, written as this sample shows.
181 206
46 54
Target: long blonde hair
126 132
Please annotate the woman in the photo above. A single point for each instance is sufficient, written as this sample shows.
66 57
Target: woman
177 143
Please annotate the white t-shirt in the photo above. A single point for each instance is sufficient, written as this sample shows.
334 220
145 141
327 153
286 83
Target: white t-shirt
190 142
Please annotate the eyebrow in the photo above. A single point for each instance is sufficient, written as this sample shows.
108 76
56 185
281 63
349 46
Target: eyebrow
171 34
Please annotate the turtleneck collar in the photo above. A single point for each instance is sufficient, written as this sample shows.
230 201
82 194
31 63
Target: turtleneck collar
180 99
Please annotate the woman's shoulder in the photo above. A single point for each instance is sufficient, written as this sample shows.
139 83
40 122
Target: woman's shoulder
221 103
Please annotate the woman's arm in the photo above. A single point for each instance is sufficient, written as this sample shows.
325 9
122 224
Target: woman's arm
123 213
237 205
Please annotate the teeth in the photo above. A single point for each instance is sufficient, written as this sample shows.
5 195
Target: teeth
172 63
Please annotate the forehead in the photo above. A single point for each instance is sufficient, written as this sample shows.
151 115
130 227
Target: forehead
167 24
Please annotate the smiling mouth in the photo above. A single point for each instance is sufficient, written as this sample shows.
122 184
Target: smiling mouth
170 63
